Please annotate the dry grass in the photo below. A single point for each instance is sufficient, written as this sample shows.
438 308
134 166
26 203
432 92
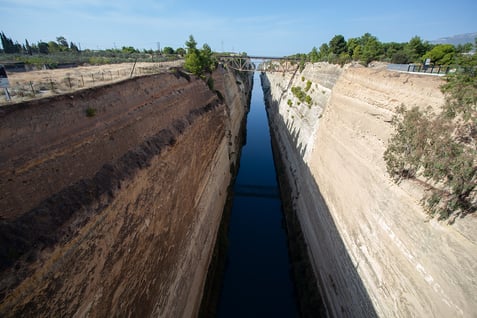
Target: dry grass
43 83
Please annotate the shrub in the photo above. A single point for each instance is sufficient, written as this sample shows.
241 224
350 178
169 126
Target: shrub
441 148
308 100
301 95
308 86
90 112
298 93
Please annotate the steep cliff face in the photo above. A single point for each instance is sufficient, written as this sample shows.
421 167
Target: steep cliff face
374 250
116 214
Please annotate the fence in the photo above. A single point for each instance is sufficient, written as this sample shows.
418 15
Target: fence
418 68
37 84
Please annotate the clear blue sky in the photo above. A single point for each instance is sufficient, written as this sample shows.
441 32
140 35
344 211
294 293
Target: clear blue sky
254 26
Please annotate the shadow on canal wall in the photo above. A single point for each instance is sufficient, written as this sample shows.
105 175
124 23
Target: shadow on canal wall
310 301
218 262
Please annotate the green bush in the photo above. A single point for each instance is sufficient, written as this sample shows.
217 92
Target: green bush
301 95
308 86
90 112
308 100
298 93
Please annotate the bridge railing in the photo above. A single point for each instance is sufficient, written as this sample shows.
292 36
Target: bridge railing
419 68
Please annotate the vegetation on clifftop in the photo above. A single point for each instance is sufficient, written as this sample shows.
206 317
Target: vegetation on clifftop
50 54
441 148
368 48
198 62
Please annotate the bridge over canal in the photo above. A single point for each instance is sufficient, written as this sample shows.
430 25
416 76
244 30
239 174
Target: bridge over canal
259 63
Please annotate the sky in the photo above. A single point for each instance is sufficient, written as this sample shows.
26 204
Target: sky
257 27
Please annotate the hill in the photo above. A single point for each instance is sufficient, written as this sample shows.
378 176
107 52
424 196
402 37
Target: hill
457 39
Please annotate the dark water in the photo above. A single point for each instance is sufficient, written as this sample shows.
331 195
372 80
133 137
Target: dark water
257 279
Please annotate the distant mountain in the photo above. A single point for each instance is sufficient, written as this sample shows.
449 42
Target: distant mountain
457 39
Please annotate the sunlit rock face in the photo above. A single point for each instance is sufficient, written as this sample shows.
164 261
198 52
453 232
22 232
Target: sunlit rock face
373 248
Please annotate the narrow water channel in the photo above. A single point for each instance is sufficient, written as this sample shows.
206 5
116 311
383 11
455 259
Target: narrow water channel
257 281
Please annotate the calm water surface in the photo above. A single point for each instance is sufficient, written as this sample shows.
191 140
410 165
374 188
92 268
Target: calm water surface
257 279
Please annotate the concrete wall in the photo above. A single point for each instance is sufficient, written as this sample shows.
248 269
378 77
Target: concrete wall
116 214
375 252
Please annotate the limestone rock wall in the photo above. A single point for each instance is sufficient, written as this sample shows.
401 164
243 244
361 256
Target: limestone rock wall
116 214
374 250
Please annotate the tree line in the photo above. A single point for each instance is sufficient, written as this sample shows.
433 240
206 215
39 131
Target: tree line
62 45
367 48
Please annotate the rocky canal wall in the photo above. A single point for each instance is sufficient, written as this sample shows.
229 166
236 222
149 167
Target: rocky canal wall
112 197
373 249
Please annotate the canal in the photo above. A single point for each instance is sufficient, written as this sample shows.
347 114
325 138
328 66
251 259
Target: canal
257 281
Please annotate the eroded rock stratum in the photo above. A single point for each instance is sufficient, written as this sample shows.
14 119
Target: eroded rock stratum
374 250
112 197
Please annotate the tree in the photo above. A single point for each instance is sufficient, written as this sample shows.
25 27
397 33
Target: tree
442 54
8 45
393 51
324 51
357 51
371 48
181 51
62 43
167 50
207 59
400 58
43 48
314 56
338 44
352 44
416 48
28 49
193 63
191 45
464 48
198 61
53 47
74 47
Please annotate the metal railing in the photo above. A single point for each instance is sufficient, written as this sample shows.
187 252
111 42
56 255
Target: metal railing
419 68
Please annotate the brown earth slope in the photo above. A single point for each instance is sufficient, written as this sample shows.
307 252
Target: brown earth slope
116 214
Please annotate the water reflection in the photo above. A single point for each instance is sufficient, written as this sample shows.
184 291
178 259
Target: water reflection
257 279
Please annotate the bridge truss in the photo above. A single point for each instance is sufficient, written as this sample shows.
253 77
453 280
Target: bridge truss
265 64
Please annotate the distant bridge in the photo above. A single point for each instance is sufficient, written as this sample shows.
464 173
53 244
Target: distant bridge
267 63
